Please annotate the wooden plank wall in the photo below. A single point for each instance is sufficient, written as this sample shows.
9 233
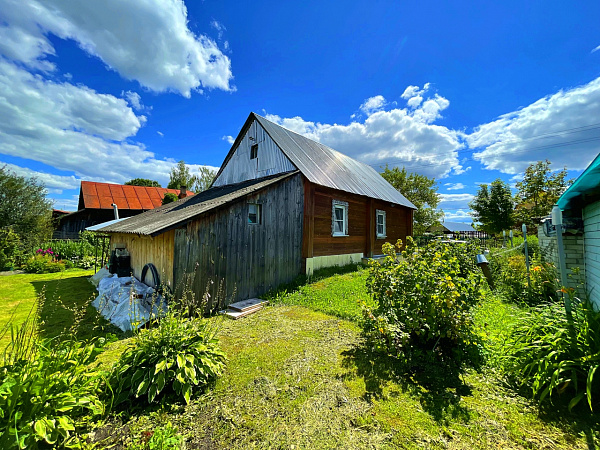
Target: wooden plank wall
222 250
361 224
591 225
145 249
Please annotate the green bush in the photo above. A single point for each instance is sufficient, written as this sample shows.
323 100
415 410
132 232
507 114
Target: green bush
552 355
424 301
162 438
43 264
9 248
176 356
48 390
169 198
510 279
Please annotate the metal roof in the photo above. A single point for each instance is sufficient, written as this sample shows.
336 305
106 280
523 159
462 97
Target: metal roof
175 214
585 188
104 224
325 166
95 195
456 227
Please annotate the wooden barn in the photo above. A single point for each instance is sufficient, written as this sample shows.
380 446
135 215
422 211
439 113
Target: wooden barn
281 205
95 205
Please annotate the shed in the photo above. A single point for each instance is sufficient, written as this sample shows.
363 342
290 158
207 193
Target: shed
281 205
458 229
582 201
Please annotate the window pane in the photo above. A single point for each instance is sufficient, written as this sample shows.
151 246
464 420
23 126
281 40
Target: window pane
338 226
379 219
339 213
253 213
380 229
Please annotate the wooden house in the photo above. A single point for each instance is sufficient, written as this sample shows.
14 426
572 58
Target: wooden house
95 205
281 205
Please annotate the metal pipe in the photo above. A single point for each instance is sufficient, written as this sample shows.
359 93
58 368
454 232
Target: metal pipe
116 210
562 266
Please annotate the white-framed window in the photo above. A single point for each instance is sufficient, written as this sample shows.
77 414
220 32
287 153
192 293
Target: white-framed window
380 223
339 218
254 213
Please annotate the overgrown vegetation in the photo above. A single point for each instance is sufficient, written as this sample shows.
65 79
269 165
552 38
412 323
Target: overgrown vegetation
555 354
424 298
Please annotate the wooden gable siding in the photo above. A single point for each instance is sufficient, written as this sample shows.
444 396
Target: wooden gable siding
222 254
318 239
145 249
270 160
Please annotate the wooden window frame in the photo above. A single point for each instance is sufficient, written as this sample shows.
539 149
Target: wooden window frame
258 213
254 151
343 206
380 213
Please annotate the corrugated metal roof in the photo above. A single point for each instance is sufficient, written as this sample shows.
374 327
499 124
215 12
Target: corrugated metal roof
456 227
102 195
327 167
174 214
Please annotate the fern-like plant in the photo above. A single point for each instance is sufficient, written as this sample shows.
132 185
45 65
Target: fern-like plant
179 355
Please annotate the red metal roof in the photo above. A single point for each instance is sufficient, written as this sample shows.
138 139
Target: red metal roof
102 195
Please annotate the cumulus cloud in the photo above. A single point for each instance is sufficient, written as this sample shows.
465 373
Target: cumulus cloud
459 215
55 184
373 104
562 127
398 137
455 201
134 99
229 139
454 186
174 58
73 128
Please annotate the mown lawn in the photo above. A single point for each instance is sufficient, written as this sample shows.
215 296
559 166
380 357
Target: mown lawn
300 378
63 296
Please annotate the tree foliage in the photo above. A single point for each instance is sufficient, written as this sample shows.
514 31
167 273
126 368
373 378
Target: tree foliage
24 206
539 190
169 198
421 191
181 176
143 182
204 179
493 207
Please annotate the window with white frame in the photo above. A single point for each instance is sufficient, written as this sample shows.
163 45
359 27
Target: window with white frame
339 218
380 216
254 213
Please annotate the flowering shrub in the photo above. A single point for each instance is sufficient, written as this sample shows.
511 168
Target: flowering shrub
424 300
41 251
43 263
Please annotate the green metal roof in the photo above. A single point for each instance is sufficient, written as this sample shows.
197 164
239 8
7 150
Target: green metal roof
585 187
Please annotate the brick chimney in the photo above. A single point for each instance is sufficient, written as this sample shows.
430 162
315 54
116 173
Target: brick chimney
182 192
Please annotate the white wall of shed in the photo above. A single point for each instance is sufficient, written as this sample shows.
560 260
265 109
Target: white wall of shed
591 225
270 161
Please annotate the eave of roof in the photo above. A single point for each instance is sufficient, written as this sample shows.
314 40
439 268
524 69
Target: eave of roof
323 165
585 189
176 214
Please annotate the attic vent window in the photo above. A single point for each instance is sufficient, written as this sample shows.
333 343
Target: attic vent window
254 210
254 151
339 219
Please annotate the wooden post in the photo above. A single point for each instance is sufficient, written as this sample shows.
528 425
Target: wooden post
370 228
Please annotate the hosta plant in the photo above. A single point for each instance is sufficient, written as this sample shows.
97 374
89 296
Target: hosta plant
424 298
555 355
177 356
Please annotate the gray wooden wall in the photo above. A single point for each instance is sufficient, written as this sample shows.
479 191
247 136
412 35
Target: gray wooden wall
224 255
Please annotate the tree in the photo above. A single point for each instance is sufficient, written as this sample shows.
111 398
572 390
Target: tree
24 207
143 182
180 176
204 179
169 198
539 190
493 207
421 191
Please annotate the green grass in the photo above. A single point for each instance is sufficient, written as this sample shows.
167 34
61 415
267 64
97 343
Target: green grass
65 295
337 291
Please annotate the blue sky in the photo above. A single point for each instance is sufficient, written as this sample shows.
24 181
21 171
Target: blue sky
463 91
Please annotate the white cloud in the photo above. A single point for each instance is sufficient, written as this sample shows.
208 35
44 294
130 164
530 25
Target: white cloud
454 186
398 137
160 134
73 128
134 100
54 183
455 201
459 215
117 32
562 127
373 104
595 49
229 139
